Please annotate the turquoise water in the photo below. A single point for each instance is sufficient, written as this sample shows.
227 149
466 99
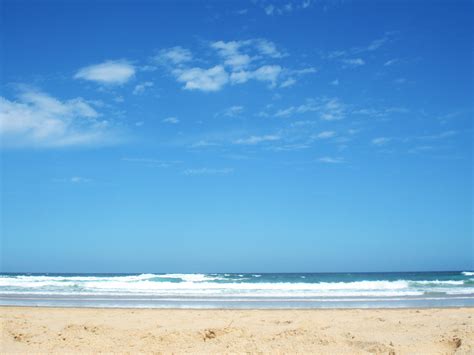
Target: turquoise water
246 290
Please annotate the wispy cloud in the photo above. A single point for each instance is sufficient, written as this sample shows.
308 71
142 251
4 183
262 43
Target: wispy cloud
391 62
332 109
280 8
109 72
442 135
151 162
331 160
352 62
269 9
232 111
140 88
376 44
286 112
257 139
329 109
208 171
171 120
266 48
203 143
38 119
79 180
354 57
73 180
288 82
400 81
325 135
175 55
381 141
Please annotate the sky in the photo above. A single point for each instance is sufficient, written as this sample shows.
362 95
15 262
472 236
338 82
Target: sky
236 136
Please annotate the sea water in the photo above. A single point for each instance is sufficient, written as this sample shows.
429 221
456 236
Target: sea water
246 290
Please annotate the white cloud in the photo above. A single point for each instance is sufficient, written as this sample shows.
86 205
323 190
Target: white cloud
267 48
257 139
212 79
79 180
268 73
109 72
280 8
336 54
38 119
290 147
303 123
151 162
233 52
232 111
269 9
331 160
376 44
332 109
73 180
240 77
203 143
353 62
285 112
288 82
344 55
441 135
175 55
238 62
229 51
329 109
400 81
325 135
140 88
208 171
380 141
335 82
172 120
390 62
309 70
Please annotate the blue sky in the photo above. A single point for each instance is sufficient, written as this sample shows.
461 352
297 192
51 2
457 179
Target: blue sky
192 136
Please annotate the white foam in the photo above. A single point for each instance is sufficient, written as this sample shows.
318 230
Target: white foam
202 284
468 273
438 282
33 278
190 277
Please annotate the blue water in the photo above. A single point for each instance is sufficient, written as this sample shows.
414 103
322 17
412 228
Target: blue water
277 290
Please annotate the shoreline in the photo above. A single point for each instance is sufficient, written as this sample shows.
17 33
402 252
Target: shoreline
65 329
239 309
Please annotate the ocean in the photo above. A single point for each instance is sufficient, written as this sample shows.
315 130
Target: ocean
246 290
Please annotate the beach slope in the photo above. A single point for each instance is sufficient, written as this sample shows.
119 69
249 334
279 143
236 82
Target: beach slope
60 330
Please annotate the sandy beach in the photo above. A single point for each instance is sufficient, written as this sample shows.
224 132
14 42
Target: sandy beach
59 330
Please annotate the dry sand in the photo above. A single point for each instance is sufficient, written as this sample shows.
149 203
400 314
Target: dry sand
357 331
